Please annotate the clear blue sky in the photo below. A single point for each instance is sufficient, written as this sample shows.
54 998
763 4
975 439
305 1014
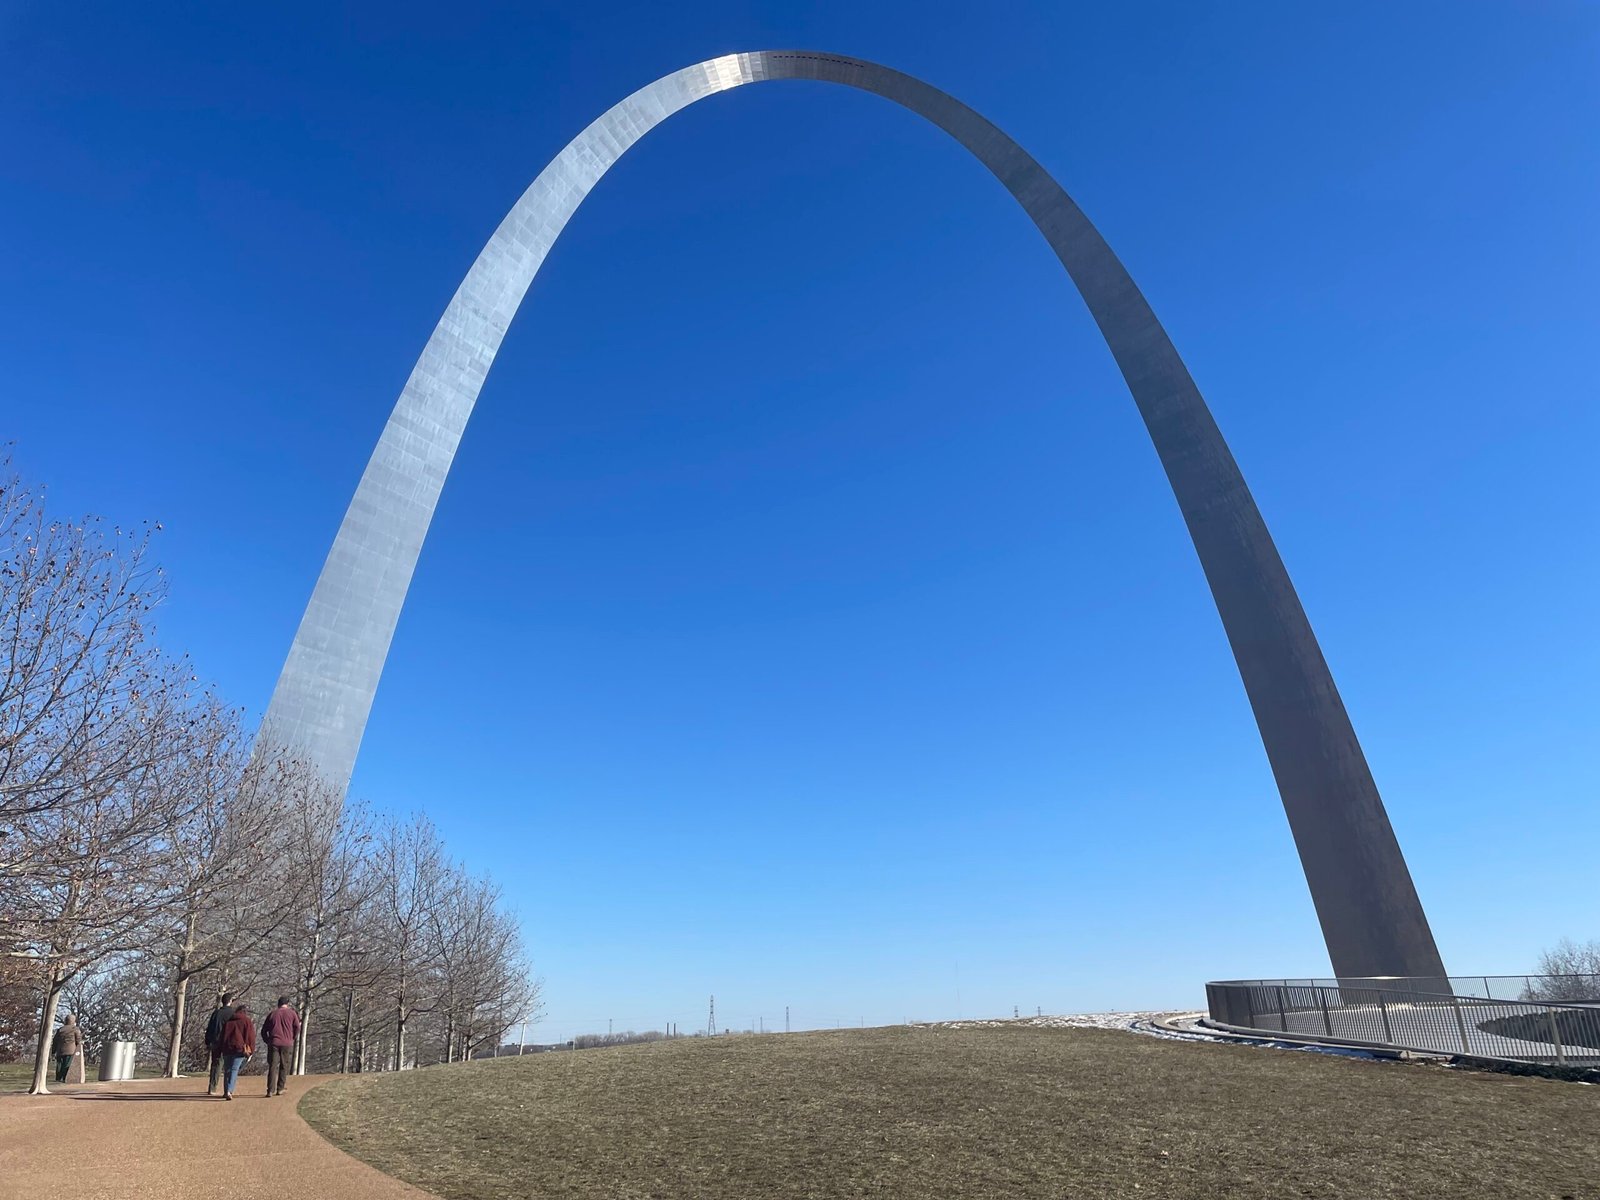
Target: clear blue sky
807 620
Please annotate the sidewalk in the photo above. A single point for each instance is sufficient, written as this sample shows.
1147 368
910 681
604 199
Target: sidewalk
165 1139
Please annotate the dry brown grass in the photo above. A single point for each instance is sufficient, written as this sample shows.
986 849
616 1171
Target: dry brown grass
946 1113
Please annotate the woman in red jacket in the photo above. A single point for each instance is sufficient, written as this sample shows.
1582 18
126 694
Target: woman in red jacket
238 1044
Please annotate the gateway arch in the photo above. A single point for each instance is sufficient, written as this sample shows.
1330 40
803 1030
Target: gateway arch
1365 900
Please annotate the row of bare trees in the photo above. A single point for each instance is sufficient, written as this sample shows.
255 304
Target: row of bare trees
151 850
393 955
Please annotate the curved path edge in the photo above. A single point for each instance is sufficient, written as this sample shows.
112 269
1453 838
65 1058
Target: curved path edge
164 1139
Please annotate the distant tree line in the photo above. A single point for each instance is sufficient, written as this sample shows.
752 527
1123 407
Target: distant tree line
596 1041
154 853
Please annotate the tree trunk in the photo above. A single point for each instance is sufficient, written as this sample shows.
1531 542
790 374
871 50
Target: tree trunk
450 1037
180 1001
52 996
349 1020
306 986
47 1018
298 1065
180 996
400 1036
400 1025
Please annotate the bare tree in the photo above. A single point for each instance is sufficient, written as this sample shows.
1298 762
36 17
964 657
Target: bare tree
94 721
220 898
326 856
453 922
1568 971
412 875
355 969
78 668
100 876
491 980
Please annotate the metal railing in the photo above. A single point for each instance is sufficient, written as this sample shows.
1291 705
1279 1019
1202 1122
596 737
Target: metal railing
1461 1015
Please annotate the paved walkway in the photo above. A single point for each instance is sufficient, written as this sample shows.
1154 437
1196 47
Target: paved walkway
164 1139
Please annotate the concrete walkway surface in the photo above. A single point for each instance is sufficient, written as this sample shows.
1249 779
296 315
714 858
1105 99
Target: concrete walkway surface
165 1139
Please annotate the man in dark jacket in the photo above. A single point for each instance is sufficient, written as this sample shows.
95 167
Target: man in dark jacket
279 1031
220 1015
238 1043
66 1045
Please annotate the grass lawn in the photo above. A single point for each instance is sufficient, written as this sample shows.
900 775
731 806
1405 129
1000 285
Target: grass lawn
16 1077
936 1113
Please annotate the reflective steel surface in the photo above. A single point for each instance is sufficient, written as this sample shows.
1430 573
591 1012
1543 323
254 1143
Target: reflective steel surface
1368 908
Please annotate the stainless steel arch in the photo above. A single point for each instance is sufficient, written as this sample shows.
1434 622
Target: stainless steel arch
1365 900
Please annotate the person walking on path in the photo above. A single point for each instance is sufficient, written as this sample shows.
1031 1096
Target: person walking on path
280 1031
219 1017
238 1044
66 1046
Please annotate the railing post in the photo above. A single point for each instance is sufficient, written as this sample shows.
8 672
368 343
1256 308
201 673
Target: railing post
1488 993
1461 1024
1555 1036
1283 1015
1322 999
1250 1007
1388 1034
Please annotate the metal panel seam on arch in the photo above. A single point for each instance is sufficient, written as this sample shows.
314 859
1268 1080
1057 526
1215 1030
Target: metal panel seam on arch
1368 908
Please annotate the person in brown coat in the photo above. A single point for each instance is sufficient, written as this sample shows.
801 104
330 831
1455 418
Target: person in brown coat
279 1031
238 1044
66 1046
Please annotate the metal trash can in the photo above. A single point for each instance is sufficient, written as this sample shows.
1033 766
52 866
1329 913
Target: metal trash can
116 1060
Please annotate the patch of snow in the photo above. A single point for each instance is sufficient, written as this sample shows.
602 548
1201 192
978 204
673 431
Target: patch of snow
1128 1021
1144 1023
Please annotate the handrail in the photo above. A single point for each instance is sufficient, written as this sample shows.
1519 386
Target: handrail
1545 989
1385 1011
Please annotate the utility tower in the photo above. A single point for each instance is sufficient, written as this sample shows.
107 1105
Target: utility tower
711 1019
